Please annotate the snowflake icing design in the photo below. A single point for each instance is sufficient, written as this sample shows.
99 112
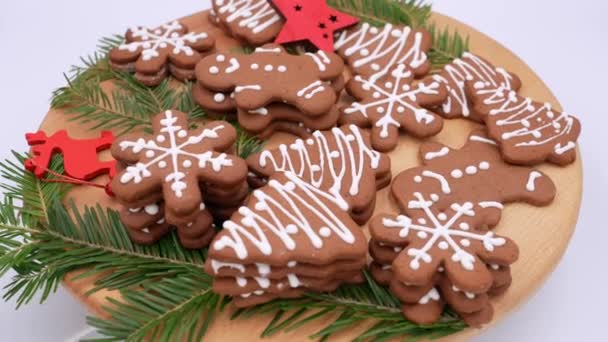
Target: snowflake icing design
174 155
152 40
441 231
393 98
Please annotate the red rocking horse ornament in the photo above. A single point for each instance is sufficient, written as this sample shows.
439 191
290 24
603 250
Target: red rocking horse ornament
80 160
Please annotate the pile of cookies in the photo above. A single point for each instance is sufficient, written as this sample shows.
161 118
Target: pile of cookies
289 239
441 249
300 229
178 178
271 90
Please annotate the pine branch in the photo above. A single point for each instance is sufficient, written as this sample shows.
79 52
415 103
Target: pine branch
355 305
172 309
447 46
378 12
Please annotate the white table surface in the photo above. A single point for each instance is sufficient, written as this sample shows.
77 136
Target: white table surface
564 42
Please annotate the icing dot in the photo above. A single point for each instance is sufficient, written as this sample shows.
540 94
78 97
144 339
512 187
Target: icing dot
150 153
456 173
465 242
484 165
464 226
255 66
471 170
421 221
406 87
396 33
187 163
397 249
268 67
325 232
182 134
376 95
442 216
219 97
443 245
158 32
364 52
495 266
162 164
282 68
151 209
440 269
434 197
373 30
422 235
310 142
160 138
400 109
220 58
388 84
418 179
380 110
214 70
292 264
291 229
375 67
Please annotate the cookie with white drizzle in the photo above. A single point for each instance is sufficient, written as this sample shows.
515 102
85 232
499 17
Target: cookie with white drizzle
270 74
173 161
152 54
285 223
470 68
528 132
392 103
256 22
372 51
469 174
340 161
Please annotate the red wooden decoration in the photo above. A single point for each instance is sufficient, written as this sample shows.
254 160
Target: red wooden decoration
79 155
311 20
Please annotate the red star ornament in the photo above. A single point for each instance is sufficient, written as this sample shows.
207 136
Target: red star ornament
311 20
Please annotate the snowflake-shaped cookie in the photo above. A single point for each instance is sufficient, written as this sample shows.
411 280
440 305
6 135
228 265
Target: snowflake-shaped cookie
390 103
175 160
446 240
152 53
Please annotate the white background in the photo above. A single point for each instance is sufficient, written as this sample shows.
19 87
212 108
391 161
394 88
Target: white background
564 41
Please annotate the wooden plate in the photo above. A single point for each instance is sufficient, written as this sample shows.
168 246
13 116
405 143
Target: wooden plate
542 233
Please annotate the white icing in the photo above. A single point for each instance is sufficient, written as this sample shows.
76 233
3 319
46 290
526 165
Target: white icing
321 59
176 151
483 140
531 184
219 97
254 15
234 66
376 45
442 234
344 167
152 209
441 153
491 204
293 280
263 219
311 90
216 265
468 68
402 100
433 294
152 41
240 89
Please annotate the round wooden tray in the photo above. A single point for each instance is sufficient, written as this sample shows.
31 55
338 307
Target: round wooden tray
542 233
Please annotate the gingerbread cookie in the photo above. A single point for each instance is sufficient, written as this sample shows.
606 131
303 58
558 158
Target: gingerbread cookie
285 224
256 22
373 51
470 68
469 174
527 131
340 161
154 53
391 103
173 161
270 74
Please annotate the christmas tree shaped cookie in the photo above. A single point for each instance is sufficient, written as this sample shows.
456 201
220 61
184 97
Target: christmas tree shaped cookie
340 161
287 227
